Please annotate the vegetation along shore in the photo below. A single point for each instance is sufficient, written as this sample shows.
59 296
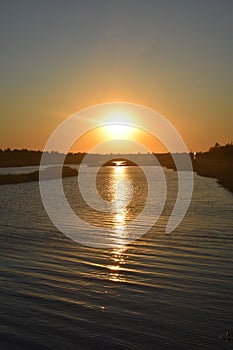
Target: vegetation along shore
217 163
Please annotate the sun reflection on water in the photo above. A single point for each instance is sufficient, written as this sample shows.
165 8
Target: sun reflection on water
115 268
122 196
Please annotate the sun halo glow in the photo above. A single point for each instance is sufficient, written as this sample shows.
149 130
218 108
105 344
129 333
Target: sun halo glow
118 131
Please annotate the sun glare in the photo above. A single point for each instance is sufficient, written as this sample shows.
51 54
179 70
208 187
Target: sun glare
119 131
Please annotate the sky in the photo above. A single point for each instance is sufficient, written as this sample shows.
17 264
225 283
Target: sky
58 57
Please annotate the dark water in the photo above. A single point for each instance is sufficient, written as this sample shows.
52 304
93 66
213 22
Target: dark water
161 292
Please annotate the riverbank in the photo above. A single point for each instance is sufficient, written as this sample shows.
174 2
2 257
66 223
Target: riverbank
48 173
222 171
216 163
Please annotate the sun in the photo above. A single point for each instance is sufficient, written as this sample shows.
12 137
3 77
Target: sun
118 131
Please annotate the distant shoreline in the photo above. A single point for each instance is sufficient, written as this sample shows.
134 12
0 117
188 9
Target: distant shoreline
215 163
224 178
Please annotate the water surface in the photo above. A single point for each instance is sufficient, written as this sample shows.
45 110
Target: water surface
161 292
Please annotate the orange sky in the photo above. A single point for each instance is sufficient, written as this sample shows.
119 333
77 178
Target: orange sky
174 58
98 135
